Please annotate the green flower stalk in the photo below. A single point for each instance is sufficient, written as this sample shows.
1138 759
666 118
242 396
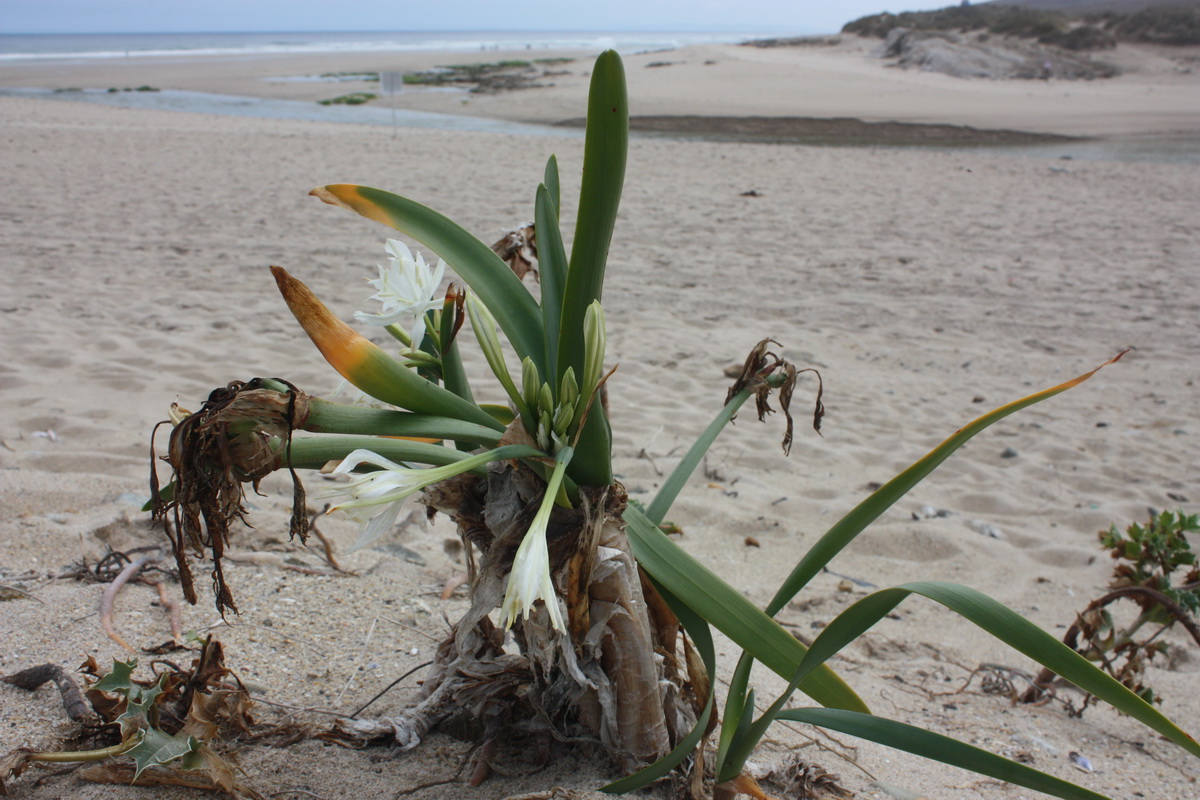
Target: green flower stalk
376 497
486 333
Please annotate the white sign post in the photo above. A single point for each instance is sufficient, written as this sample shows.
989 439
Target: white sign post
392 83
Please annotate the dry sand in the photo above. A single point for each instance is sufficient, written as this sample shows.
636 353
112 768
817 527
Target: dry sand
926 286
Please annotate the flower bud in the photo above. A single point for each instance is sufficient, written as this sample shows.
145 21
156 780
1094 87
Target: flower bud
568 392
531 384
594 342
545 428
564 415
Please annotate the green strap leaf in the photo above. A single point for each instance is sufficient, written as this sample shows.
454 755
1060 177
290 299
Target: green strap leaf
1009 627
728 611
605 148
313 452
365 364
551 182
737 700
936 747
490 278
327 417
866 512
552 267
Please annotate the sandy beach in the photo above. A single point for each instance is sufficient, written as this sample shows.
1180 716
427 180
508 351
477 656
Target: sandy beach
927 286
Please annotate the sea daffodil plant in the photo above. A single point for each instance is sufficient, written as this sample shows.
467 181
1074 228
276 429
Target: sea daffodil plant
590 586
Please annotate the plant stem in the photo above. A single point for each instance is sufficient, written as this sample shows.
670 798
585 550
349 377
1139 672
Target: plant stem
69 756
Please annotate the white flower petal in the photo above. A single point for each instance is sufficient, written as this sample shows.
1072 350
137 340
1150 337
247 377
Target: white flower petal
375 527
530 579
406 287
363 456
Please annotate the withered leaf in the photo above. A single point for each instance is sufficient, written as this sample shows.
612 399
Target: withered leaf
760 365
518 249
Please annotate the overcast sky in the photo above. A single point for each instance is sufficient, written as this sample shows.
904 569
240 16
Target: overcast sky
160 16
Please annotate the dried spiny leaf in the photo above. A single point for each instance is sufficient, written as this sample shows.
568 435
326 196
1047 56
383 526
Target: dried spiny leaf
803 781
13 764
213 775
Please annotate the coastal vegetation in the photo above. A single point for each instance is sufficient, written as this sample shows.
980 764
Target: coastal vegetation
352 99
1156 573
1174 25
488 77
370 77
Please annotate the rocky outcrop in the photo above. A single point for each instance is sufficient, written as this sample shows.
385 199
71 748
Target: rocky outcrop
984 56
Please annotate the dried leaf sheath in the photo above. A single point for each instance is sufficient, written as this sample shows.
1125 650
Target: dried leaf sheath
233 439
614 677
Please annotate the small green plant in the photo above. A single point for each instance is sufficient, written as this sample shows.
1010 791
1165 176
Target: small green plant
491 66
487 76
1156 571
352 99
350 76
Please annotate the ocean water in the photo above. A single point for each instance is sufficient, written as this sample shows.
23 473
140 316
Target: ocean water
19 47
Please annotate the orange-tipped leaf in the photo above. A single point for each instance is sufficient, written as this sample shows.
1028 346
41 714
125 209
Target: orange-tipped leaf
366 365
490 278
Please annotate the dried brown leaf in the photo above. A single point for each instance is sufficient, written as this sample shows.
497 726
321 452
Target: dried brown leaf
518 249
212 777
759 366
12 765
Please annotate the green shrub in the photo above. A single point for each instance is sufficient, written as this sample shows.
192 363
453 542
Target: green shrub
353 99
1173 25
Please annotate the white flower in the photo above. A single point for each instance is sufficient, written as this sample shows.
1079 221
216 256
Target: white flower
529 579
405 286
376 497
